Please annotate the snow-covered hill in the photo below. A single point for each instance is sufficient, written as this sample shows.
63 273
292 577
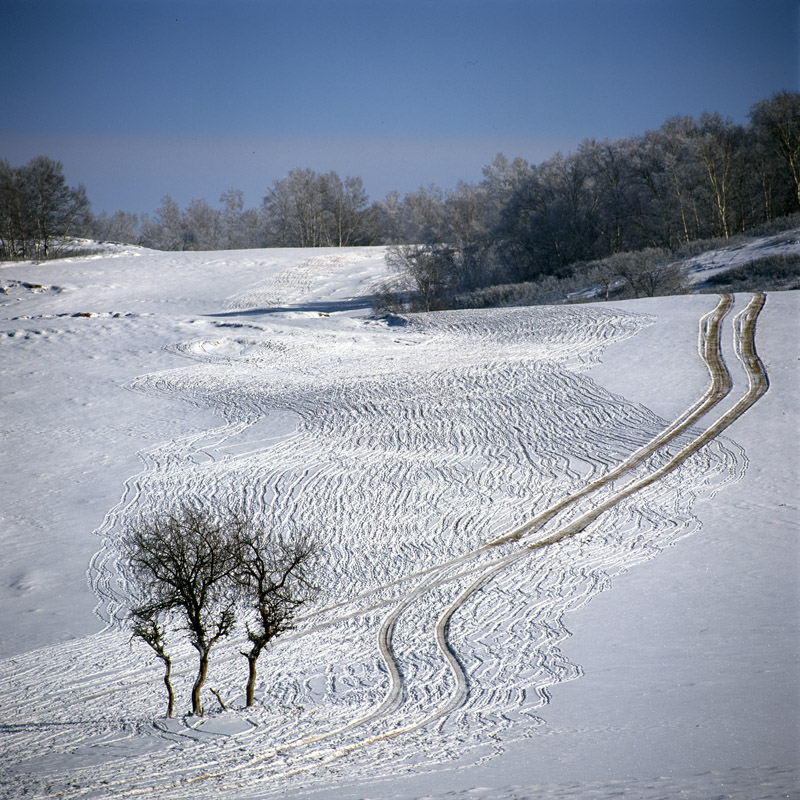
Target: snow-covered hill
540 572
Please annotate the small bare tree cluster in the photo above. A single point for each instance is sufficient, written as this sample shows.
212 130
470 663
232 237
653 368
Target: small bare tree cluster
197 572
311 209
649 272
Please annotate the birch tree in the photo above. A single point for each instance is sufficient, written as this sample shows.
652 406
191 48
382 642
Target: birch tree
778 121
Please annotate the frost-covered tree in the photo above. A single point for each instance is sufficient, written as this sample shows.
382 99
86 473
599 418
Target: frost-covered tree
424 273
311 209
423 216
466 229
233 233
347 203
38 211
167 230
777 121
200 226
121 226
719 149
501 179
647 273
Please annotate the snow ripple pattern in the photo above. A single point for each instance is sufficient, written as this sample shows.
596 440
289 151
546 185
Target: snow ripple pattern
439 636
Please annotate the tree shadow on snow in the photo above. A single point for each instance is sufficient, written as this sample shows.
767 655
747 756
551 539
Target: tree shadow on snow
321 307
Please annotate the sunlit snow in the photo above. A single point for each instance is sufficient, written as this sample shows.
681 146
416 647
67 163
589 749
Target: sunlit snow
654 651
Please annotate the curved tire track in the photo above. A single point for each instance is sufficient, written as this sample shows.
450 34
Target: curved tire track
744 337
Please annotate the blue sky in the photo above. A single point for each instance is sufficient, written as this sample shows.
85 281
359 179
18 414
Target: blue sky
139 98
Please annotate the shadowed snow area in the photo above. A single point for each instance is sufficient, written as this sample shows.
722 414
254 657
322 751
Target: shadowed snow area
483 631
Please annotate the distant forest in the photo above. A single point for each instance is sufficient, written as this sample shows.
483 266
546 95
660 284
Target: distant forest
691 179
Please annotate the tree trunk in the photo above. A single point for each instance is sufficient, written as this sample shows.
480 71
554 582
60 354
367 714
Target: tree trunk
679 196
168 682
252 658
251 680
793 166
197 708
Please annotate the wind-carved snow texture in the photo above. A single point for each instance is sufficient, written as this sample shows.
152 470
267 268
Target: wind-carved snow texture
439 632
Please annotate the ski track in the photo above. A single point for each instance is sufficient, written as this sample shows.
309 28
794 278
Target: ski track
433 473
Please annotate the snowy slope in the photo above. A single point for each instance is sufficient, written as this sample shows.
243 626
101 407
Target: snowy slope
706 265
433 664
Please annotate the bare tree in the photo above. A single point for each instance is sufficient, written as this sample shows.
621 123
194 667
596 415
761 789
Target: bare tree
423 216
424 271
311 209
232 219
465 221
183 563
200 226
168 232
719 150
648 273
501 179
274 574
191 569
121 226
674 146
147 624
38 211
57 209
778 120
606 273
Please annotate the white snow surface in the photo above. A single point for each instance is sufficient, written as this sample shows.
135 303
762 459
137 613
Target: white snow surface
653 654
701 267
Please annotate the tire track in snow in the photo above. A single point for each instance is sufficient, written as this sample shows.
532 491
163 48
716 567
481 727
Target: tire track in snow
744 337
163 464
719 387
744 327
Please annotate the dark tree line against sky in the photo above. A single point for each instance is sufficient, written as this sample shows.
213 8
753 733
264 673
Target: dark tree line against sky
38 211
690 179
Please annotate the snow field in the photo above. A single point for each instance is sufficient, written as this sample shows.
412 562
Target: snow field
406 449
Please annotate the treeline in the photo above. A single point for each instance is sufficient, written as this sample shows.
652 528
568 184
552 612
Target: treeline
305 209
690 179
